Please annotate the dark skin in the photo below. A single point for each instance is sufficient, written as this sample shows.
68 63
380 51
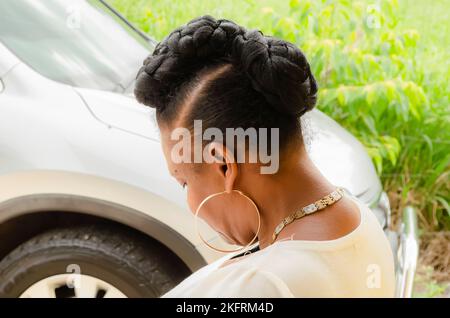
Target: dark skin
297 184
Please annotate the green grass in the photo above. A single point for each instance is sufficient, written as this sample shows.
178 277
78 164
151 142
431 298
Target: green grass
388 86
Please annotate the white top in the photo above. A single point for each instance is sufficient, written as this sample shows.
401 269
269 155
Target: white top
359 264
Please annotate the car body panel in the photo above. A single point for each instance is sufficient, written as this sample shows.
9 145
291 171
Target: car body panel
7 60
121 112
135 207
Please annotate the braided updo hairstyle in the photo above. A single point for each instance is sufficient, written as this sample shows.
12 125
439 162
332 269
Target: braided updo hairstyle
243 78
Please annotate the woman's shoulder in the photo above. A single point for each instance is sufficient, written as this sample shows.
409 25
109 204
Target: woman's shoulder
284 258
248 280
282 272
288 259
242 280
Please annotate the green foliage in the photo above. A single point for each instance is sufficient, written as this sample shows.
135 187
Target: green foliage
374 77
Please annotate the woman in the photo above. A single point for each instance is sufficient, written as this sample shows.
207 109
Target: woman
314 240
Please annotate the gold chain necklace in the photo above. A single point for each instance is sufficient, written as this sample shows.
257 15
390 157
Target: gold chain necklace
320 204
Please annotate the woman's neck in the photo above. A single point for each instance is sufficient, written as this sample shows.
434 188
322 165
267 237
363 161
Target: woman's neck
297 185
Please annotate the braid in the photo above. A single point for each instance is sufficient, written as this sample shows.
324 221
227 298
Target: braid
278 70
183 52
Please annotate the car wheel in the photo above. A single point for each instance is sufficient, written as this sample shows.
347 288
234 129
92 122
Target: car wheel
89 261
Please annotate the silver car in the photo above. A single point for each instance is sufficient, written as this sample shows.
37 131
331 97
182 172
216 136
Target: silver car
87 208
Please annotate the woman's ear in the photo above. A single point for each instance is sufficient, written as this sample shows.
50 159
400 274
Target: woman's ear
225 163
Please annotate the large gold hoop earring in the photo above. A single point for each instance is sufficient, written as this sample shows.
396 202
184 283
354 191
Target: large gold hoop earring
209 197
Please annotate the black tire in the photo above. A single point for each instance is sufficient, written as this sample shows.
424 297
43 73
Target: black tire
135 265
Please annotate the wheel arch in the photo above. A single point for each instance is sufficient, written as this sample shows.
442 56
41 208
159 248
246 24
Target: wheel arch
57 204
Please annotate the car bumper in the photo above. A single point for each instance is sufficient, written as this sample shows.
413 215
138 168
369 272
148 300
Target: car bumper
405 244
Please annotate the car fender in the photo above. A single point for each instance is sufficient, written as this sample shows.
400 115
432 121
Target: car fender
43 191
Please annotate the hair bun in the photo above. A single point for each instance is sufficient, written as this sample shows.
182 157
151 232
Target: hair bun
278 70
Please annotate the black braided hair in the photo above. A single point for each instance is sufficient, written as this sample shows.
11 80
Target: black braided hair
268 83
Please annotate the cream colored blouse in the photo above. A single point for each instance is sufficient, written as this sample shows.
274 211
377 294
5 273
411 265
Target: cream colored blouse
359 264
